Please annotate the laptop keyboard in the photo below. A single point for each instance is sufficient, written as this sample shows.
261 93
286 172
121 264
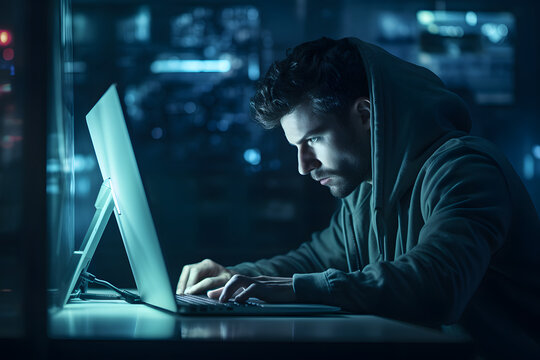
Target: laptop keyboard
203 305
201 301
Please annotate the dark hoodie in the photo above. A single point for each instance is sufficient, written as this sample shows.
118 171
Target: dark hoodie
446 234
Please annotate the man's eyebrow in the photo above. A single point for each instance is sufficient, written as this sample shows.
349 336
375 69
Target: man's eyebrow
316 130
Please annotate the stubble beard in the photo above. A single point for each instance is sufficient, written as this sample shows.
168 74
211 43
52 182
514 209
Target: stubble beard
346 181
342 190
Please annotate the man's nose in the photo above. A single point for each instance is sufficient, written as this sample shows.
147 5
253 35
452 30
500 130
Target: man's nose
307 160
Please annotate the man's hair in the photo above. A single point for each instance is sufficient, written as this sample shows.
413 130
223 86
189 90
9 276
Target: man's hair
327 74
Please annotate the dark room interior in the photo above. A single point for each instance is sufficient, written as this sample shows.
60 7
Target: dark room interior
218 185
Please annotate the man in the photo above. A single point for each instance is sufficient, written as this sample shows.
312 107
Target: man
435 227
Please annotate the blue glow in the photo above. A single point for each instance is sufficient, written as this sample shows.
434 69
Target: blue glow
253 14
190 66
190 107
471 18
75 67
502 30
223 125
433 29
83 185
130 97
83 163
53 166
536 151
494 32
53 188
210 51
252 156
157 133
451 31
253 67
425 17
528 167
142 24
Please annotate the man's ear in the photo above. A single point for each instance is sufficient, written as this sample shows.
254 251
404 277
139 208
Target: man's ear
362 111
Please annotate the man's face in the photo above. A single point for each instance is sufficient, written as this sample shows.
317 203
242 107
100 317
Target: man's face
335 151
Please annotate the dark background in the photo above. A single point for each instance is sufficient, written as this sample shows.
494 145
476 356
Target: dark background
218 185
191 131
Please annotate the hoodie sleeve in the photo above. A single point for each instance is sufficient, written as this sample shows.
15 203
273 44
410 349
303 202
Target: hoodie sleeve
325 250
465 204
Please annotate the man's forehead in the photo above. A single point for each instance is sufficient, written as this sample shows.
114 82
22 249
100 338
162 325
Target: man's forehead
301 122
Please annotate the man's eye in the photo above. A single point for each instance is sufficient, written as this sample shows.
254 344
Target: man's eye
313 140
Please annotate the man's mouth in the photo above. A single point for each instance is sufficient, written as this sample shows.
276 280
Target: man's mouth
324 181
321 178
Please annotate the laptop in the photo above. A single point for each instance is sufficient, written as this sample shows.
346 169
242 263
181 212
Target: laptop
122 192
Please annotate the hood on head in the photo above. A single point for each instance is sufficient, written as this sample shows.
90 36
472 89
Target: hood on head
412 114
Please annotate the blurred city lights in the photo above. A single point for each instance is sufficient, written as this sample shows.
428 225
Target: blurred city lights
8 54
5 37
157 133
536 151
252 156
471 18
190 66
253 14
494 32
190 107
528 167
5 88
82 163
451 31
425 17
253 67
433 29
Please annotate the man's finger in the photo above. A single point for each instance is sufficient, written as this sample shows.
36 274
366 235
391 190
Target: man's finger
236 282
215 294
250 291
193 278
181 287
206 284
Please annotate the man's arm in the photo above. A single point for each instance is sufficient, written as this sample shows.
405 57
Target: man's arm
325 250
467 209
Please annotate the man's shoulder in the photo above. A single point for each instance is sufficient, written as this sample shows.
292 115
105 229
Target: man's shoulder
463 150
466 160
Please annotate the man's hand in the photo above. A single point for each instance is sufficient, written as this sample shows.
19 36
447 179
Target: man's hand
270 289
200 277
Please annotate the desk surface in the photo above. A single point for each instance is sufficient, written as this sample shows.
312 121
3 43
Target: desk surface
96 328
115 319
